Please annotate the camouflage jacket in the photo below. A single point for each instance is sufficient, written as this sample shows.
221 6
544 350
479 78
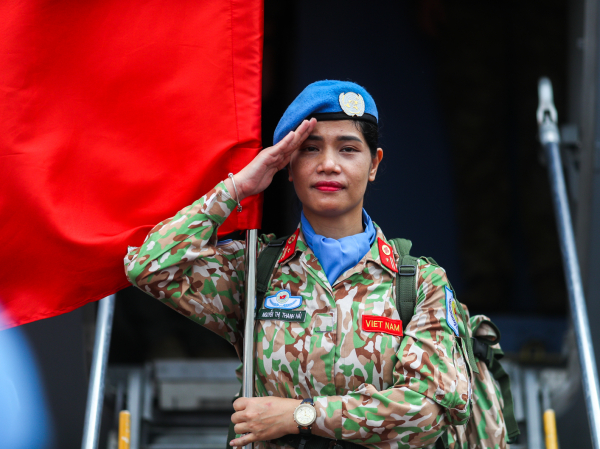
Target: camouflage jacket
371 388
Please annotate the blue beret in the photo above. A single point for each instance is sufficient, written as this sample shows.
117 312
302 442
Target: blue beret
327 100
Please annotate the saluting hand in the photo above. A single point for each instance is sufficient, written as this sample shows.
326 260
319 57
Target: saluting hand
258 174
262 419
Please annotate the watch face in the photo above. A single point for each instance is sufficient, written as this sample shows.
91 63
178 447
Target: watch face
305 415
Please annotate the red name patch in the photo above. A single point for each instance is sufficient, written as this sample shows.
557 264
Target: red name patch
382 324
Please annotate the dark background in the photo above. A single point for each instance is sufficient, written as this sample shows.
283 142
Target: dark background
456 88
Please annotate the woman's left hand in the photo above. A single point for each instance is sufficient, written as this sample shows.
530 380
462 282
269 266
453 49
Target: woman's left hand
262 419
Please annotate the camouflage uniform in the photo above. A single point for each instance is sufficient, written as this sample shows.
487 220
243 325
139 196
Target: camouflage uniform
371 388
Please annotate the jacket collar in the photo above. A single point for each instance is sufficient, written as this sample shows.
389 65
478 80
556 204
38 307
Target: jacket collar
296 244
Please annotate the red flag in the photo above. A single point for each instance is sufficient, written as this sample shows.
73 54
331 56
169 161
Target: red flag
113 116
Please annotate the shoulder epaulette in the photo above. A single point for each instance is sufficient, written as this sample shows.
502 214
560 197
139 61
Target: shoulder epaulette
290 246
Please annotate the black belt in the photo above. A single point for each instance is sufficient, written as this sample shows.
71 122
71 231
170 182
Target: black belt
317 442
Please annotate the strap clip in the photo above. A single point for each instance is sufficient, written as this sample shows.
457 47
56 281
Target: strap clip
407 270
277 242
482 351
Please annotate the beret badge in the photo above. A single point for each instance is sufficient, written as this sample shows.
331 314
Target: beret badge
352 104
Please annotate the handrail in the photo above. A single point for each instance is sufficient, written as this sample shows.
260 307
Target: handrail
550 140
95 399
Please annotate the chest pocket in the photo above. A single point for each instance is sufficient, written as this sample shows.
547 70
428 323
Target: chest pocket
324 322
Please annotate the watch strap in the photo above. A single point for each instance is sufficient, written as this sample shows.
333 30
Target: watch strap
305 430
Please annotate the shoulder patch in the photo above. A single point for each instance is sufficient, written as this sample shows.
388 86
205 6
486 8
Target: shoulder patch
290 246
451 312
387 255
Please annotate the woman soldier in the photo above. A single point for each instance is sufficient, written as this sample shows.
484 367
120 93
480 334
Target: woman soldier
333 369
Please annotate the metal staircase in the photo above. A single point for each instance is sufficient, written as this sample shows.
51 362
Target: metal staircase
174 404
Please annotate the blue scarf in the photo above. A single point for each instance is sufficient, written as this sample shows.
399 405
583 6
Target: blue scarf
337 256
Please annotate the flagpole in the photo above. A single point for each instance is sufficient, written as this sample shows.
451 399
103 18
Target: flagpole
95 398
248 369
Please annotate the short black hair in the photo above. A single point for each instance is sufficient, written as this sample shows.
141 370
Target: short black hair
370 132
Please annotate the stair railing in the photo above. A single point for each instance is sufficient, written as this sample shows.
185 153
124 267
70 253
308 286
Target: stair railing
549 136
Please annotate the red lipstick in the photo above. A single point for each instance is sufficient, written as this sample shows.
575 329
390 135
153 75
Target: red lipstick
328 186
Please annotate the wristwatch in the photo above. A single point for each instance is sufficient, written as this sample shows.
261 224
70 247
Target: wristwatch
305 415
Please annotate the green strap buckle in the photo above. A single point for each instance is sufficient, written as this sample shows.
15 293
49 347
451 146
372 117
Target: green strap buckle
482 351
407 270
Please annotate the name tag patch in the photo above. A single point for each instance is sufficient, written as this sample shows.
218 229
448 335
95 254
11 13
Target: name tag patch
283 299
382 324
283 315
451 311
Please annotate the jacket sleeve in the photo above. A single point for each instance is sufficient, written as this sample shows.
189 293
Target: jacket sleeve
432 386
181 264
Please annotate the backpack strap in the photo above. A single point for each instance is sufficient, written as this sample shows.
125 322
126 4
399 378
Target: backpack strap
264 267
482 349
468 341
442 441
501 376
406 298
406 284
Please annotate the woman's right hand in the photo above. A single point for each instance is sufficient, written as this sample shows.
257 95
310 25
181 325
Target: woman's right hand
258 174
